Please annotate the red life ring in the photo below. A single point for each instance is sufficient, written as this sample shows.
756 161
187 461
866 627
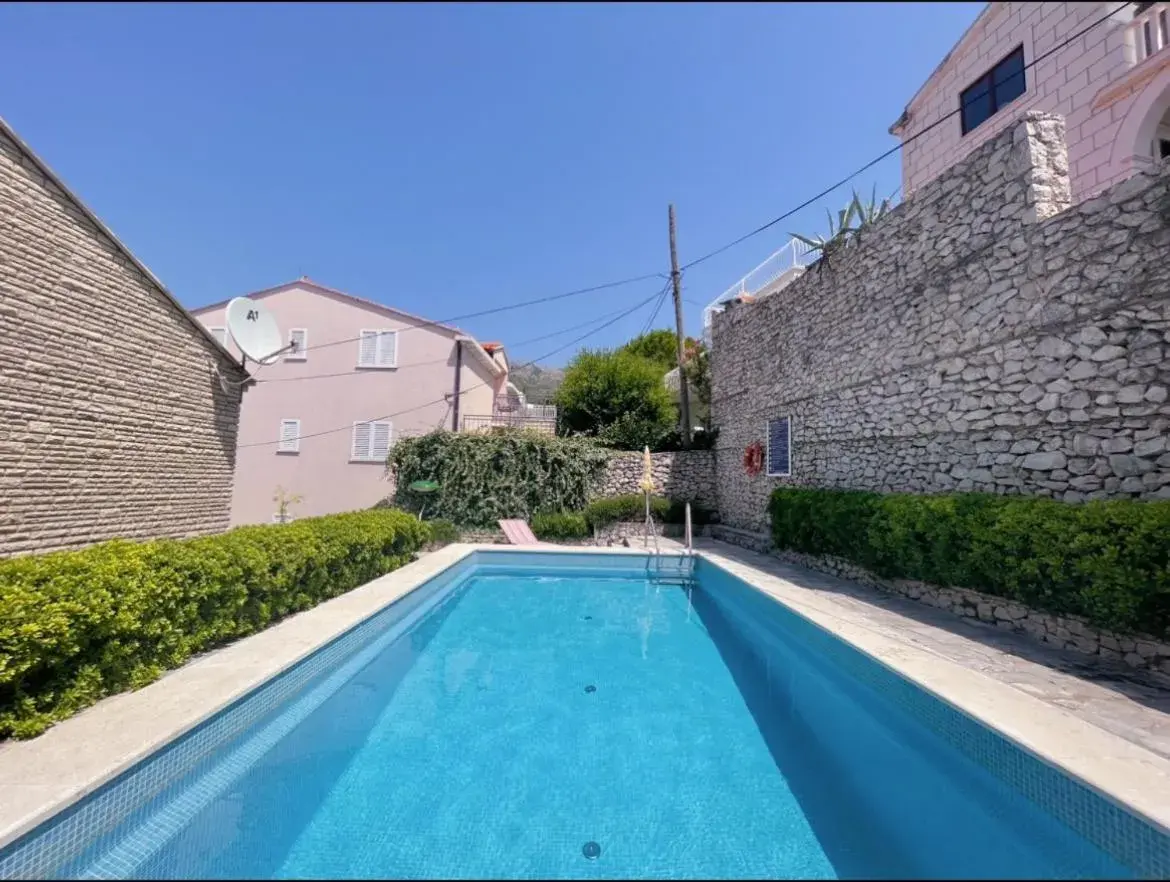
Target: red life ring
753 458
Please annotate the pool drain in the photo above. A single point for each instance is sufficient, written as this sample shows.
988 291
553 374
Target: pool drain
591 688
588 618
591 850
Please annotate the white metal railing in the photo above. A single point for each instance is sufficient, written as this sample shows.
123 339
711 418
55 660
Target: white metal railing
793 254
475 422
1149 31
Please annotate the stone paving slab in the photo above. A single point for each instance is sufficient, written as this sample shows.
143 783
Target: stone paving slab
1131 704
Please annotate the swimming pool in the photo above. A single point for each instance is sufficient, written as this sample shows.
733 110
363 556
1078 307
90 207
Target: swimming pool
529 715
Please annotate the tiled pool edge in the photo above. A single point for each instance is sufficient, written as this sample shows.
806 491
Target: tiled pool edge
43 777
1119 771
1102 761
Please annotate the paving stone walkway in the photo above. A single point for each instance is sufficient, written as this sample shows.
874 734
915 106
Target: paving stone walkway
1131 704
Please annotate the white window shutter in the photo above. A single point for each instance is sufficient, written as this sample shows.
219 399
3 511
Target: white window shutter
361 441
300 338
387 348
290 436
380 440
368 349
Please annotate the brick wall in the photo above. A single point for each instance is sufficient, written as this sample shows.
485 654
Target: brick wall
111 420
983 336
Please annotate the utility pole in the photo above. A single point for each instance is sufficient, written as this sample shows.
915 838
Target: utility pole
684 399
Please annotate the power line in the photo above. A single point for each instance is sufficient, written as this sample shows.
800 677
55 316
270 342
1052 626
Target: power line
654 313
497 309
432 362
443 400
895 148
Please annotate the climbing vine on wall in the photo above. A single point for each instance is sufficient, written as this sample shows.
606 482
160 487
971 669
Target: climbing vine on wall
501 474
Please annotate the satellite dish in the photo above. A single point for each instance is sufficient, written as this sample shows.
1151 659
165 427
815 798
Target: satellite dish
255 330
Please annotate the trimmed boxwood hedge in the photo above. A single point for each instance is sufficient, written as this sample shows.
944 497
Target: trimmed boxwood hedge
76 626
1108 561
632 507
610 510
562 525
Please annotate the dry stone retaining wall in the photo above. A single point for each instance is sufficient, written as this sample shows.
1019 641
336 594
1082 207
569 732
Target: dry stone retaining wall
983 336
1065 632
683 474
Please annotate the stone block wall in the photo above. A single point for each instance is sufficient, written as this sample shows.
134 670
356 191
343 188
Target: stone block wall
983 336
112 422
1064 632
683 474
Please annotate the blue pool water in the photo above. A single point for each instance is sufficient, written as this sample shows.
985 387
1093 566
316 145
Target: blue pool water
520 714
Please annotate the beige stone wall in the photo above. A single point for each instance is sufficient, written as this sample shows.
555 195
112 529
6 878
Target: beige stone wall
983 336
112 422
682 474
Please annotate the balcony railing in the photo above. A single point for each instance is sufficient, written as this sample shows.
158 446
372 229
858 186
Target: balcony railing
1149 30
540 417
764 279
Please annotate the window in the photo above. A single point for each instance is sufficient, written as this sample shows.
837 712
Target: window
371 441
220 334
290 437
299 337
378 349
1163 148
779 447
993 91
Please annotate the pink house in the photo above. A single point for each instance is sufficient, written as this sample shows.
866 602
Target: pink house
1111 84
319 422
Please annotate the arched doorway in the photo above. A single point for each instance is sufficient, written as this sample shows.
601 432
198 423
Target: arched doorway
1144 135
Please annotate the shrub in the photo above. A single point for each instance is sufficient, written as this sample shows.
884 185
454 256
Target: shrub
632 507
1106 561
441 532
701 439
76 626
701 513
483 478
560 525
618 397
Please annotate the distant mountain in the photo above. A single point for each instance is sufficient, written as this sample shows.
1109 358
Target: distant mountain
538 384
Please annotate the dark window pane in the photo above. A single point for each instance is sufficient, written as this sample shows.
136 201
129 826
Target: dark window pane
1009 78
779 454
976 105
1163 148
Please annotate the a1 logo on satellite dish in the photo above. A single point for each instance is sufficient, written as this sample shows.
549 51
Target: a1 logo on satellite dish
255 331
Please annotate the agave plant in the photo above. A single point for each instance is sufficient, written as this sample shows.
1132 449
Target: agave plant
869 213
842 229
839 231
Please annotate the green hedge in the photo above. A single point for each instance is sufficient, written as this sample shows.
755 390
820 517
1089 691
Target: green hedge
76 626
482 478
562 525
632 507
1108 561
441 532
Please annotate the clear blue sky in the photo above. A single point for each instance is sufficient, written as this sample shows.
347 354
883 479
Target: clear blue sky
447 158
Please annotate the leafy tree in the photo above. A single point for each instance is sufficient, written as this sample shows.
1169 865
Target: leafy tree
617 397
658 346
697 371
